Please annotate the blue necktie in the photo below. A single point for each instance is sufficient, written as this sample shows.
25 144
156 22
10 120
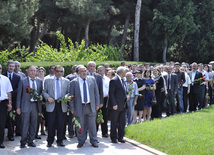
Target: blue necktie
33 86
58 91
84 91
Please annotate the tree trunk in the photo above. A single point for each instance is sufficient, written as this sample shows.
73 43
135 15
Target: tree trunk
79 33
123 42
137 29
86 34
165 48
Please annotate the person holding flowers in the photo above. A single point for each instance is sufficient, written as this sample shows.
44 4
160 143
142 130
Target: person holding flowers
150 87
132 90
56 91
139 107
84 106
28 104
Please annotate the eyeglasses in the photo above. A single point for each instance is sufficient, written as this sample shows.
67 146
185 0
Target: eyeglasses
59 71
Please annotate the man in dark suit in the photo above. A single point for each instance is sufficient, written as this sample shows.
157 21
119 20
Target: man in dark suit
117 105
54 88
195 96
172 89
29 107
14 80
84 106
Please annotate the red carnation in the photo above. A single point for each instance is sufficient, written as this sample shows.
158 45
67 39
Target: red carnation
27 90
203 79
142 96
28 86
72 98
80 131
7 103
204 74
131 82
31 88
152 85
157 81
40 116
100 122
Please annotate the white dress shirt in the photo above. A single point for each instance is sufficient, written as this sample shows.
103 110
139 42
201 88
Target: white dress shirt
106 81
5 87
8 74
81 81
60 85
193 77
187 80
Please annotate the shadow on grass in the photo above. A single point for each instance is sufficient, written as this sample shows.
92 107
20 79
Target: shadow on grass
207 109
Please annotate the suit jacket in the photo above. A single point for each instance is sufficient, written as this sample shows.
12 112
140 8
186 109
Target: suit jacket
72 77
49 91
14 82
117 94
174 82
23 98
76 103
99 81
196 87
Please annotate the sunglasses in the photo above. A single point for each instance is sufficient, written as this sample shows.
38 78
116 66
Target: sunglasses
59 71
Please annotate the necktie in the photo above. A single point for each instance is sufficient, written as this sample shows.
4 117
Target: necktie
33 86
84 92
10 77
169 82
58 91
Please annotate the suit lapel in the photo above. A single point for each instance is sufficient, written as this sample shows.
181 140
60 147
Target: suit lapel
78 89
62 86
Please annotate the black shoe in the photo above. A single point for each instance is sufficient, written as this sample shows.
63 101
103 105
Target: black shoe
121 140
2 146
38 137
79 145
114 141
105 135
32 144
61 144
49 145
65 138
11 139
22 146
18 134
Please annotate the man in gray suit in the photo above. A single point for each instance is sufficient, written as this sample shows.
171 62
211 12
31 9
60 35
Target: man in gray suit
29 107
172 89
54 88
84 105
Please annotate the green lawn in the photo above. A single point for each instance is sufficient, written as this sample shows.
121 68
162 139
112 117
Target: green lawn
191 133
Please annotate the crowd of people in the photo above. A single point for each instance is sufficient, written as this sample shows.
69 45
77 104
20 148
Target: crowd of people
33 101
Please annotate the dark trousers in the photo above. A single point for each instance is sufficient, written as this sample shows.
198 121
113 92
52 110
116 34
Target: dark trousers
185 97
156 109
210 91
118 122
10 125
171 103
203 93
194 99
56 121
68 121
3 117
104 126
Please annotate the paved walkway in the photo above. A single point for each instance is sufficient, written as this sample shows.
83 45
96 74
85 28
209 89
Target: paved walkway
105 148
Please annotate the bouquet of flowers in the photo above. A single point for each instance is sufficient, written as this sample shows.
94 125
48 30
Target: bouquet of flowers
65 99
33 93
41 116
130 88
149 87
76 122
12 115
180 84
140 96
100 117
199 80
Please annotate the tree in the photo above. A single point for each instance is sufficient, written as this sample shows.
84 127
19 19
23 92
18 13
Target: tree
136 31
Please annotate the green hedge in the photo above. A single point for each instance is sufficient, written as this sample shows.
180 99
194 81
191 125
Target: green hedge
68 65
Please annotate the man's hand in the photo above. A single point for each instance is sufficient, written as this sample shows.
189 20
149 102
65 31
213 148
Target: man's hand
175 93
50 100
41 98
115 107
128 97
101 105
188 91
97 108
9 107
18 111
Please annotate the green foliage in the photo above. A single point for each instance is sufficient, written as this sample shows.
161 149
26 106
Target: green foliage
75 52
190 133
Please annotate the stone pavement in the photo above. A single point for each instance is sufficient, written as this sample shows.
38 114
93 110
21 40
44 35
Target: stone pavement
105 148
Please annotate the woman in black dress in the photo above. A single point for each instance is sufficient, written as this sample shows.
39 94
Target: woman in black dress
159 81
139 107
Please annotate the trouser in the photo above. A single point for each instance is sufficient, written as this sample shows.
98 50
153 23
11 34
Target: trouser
130 111
56 120
171 103
3 117
29 124
185 97
179 97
